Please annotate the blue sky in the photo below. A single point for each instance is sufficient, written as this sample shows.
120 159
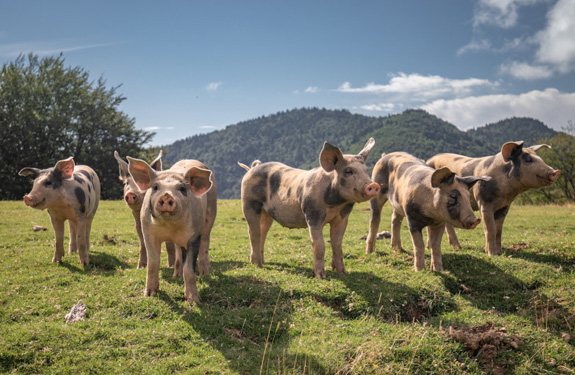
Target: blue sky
189 67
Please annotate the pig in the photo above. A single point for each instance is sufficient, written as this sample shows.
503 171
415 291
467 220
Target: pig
69 192
180 205
310 199
426 197
134 198
513 170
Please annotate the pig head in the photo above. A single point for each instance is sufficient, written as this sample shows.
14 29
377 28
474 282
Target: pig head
69 192
426 197
513 171
180 206
133 197
297 198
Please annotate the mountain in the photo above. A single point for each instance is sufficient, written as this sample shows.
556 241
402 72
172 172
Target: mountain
295 138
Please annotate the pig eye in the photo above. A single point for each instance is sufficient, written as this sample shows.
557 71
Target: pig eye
182 189
348 172
453 196
155 188
47 183
527 158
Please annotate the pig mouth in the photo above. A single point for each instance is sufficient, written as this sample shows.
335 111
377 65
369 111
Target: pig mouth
546 180
37 205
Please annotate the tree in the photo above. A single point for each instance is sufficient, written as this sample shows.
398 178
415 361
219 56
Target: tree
562 156
49 112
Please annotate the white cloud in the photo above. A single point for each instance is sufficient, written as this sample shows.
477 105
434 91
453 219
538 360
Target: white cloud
501 13
474 46
551 106
154 128
381 107
311 90
213 86
525 71
557 40
208 127
419 87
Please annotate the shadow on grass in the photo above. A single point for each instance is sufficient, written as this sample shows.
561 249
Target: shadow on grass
99 261
244 317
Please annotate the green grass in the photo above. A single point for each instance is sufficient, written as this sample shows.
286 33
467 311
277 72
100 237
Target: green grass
379 317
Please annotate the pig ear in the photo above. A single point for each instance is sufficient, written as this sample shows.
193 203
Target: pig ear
141 172
329 157
199 179
65 167
511 149
366 149
472 180
34 172
538 147
157 162
124 171
442 176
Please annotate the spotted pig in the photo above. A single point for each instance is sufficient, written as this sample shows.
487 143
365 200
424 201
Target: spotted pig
513 170
426 197
297 198
134 197
69 192
180 205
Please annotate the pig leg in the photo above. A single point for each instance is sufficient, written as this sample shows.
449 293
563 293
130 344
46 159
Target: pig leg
499 219
73 247
143 260
204 257
181 253
418 249
490 228
374 221
89 220
190 287
452 237
266 222
58 225
171 250
318 244
82 241
434 235
337 230
396 220
255 233
152 277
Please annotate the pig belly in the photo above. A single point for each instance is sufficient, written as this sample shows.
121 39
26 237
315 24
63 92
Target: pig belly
289 216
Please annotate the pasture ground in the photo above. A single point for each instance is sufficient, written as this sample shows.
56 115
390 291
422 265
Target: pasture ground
513 313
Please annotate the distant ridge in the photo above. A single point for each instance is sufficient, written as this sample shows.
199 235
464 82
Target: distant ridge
295 137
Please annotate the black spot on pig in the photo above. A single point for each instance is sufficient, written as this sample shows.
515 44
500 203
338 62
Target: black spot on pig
488 191
415 217
313 215
81 197
453 204
487 162
87 174
275 182
332 197
501 213
256 206
346 210
259 189
469 169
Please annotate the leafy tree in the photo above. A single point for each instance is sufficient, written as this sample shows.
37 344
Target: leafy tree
49 112
562 156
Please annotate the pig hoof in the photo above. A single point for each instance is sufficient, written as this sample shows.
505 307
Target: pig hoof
150 293
320 274
204 270
144 265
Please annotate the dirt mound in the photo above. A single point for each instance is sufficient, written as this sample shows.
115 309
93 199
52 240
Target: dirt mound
485 342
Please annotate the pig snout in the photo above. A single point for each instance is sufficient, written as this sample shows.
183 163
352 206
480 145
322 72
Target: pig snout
31 200
472 222
372 189
166 203
131 199
554 175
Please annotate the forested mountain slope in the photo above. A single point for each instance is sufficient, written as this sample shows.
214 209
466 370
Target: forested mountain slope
296 137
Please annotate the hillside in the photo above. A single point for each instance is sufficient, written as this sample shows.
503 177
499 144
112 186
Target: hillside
295 138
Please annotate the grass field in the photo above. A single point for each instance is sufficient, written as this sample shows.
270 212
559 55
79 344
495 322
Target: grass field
513 313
